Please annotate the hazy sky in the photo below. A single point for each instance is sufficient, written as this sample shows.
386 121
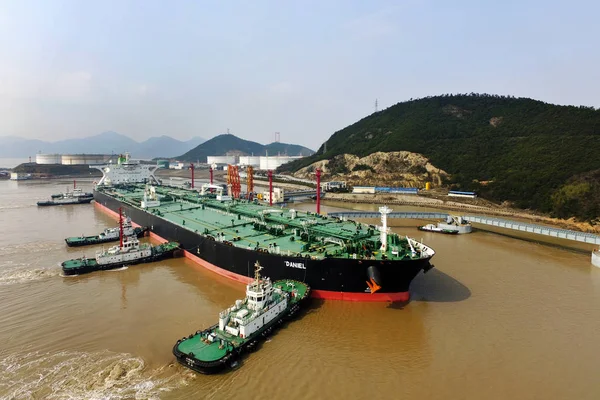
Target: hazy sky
302 68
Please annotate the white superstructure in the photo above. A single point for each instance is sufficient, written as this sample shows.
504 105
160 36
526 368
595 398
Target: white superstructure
131 250
262 304
150 198
125 171
458 224
113 233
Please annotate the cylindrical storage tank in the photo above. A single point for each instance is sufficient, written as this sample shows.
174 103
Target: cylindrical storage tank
250 161
73 159
428 186
275 161
221 160
84 159
48 159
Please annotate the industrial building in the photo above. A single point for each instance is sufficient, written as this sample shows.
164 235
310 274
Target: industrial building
381 189
178 165
456 193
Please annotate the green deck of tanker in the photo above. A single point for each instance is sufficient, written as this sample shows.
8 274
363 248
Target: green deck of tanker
275 229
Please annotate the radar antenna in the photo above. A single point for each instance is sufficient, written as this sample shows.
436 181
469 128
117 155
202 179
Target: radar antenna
257 269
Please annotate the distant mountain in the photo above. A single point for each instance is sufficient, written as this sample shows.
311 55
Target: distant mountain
103 143
228 144
166 146
288 149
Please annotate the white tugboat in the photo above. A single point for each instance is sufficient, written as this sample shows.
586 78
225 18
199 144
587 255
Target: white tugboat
453 225
129 251
242 325
76 196
108 235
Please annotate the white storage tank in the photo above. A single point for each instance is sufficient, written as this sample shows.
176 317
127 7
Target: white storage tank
84 159
48 158
221 160
274 162
250 161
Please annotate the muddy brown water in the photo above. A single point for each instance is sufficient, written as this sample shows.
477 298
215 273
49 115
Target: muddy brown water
498 317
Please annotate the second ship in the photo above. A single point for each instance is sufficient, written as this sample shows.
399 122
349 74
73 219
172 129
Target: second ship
337 258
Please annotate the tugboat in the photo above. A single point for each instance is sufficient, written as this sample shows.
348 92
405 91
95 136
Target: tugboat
109 235
452 226
77 196
242 326
435 228
128 252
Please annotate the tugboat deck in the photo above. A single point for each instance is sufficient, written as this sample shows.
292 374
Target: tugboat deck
203 351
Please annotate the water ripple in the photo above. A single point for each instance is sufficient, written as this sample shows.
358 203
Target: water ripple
78 375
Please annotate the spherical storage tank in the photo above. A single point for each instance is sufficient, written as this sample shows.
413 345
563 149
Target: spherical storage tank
48 158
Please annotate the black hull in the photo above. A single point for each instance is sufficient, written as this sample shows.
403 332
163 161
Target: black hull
86 200
339 275
446 232
92 268
100 241
214 367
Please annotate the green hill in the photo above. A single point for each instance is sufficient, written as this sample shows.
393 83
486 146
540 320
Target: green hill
232 145
507 149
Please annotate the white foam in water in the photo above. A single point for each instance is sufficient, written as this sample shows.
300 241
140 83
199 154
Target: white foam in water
123 268
77 375
22 274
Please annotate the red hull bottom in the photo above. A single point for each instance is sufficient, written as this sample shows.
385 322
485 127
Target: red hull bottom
317 294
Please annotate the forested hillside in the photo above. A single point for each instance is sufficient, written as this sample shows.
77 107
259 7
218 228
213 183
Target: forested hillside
519 150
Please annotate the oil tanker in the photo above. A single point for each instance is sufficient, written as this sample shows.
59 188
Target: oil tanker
338 258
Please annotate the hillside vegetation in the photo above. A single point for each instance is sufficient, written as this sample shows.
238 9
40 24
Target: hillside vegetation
527 152
232 145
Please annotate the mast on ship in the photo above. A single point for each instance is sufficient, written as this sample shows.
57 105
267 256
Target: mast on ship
385 210
121 227
257 269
